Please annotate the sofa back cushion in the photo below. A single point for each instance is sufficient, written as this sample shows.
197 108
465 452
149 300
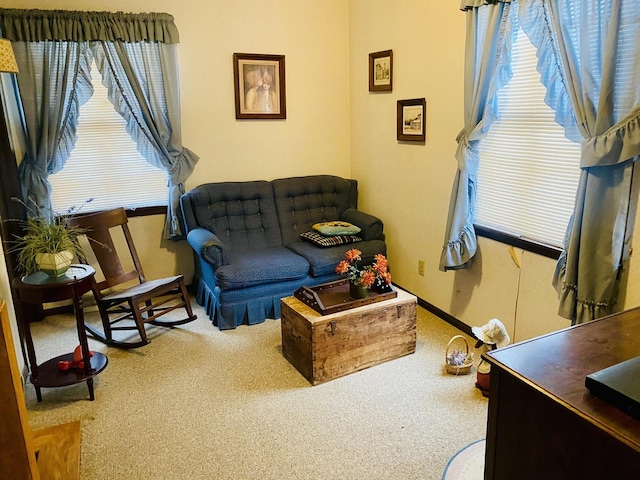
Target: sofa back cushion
304 201
241 214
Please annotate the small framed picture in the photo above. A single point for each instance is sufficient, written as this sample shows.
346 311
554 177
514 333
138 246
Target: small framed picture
381 71
411 117
259 83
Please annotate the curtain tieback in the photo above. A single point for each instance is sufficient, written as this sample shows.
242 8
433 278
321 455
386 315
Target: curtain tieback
466 154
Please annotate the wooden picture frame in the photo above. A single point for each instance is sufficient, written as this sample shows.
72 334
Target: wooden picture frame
259 84
381 71
411 120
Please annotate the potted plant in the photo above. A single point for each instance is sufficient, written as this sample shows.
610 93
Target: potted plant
361 279
48 244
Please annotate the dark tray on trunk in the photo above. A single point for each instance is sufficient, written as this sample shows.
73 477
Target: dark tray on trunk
334 297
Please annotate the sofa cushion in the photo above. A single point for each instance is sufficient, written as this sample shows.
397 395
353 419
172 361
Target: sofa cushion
336 228
304 201
323 261
324 241
241 214
258 267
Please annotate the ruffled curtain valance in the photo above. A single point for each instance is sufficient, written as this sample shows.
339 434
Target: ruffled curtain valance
20 25
469 4
142 77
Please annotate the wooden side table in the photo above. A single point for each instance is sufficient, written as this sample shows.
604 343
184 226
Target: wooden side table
39 288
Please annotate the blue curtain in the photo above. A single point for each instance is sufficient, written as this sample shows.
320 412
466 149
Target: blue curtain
54 81
588 54
142 80
136 54
487 69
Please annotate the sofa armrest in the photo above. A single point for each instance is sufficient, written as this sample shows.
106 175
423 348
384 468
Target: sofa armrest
371 227
207 246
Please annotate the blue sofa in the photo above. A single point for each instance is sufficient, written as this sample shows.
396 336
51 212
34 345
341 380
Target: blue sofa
247 246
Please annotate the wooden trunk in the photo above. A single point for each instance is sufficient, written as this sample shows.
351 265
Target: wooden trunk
324 347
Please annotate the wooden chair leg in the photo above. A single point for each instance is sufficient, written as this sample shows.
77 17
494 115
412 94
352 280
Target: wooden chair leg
185 298
106 323
137 317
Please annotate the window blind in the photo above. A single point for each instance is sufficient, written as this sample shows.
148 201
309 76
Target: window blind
105 164
528 170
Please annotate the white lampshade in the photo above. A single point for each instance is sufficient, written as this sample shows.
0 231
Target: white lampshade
7 58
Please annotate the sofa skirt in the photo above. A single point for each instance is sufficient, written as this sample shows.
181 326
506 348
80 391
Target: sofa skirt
248 306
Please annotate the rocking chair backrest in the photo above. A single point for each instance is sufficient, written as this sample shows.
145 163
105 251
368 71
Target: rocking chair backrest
97 229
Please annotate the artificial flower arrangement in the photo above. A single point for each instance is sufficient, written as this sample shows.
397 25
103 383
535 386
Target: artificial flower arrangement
376 274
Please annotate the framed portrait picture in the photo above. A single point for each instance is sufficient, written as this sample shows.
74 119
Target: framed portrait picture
411 117
259 82
381 71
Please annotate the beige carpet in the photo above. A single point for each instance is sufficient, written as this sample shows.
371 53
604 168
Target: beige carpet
198 403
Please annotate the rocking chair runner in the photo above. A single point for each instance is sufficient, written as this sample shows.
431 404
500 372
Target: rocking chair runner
141 303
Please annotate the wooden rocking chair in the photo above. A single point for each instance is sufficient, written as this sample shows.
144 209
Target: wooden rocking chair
144 301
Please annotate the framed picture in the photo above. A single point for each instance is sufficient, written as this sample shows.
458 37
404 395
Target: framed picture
381 71
259 83
411 117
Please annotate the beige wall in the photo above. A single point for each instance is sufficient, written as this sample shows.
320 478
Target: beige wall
334 125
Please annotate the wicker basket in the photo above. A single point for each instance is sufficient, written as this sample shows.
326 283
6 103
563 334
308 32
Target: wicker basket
457 359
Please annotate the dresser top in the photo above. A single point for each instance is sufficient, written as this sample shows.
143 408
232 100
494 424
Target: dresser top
557 364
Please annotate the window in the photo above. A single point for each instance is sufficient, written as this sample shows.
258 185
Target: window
528 170
105 164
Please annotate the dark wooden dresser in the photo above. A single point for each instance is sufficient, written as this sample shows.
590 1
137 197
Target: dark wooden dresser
543 423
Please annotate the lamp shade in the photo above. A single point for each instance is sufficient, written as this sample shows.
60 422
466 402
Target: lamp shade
7 58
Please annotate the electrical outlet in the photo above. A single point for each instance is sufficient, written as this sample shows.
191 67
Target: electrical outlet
421 267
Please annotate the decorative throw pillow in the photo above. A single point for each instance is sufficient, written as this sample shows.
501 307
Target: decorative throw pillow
336 228
328 240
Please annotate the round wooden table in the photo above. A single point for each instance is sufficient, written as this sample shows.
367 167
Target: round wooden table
39 288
